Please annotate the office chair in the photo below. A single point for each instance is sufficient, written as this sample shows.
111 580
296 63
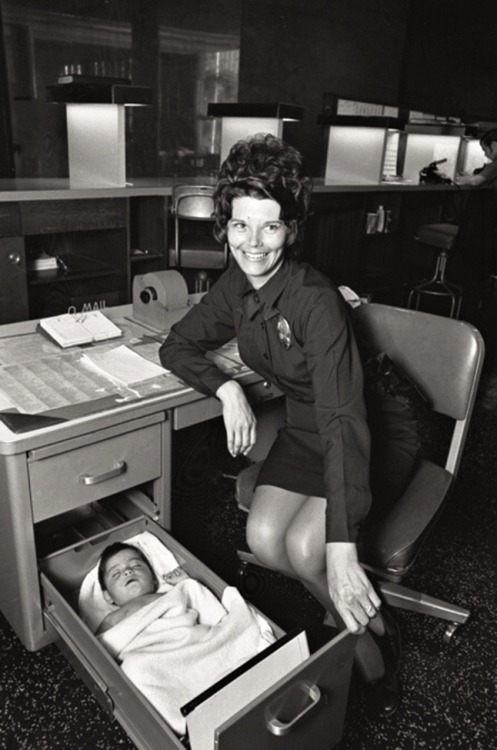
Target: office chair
194 244
444 358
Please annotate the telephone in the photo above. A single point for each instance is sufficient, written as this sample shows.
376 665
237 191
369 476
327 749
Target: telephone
431 175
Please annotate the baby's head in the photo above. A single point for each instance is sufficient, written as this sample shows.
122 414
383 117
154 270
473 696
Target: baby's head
124 573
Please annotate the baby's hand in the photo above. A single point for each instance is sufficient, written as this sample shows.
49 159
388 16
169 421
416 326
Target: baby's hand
175 576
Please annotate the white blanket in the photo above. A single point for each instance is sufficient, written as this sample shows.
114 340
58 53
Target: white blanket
182 643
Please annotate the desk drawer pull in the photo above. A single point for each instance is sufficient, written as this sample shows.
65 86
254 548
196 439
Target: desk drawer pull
89 479
301 697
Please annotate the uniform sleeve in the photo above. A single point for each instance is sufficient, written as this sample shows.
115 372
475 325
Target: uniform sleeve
207 326
489 171
336 371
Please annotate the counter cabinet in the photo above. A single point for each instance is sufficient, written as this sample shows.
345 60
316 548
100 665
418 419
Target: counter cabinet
105 237
385 265
97 245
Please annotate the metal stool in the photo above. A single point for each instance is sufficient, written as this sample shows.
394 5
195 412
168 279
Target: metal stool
441 236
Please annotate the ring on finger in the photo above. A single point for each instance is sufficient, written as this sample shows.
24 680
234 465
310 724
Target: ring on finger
370 610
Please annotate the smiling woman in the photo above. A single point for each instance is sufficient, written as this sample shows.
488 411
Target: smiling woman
257 238
294 329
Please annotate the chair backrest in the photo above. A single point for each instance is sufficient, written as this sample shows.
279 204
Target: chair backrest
444 357
198 248
193 202
441 355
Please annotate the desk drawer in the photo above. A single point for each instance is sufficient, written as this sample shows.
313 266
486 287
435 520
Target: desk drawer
305 706
80 476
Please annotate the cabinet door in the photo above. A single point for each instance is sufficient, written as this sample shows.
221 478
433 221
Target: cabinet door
13 285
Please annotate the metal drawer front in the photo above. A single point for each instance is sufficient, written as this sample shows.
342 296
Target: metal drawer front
305 710
80 476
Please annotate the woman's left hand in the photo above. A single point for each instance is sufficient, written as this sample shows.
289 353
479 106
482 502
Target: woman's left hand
350 589
239 419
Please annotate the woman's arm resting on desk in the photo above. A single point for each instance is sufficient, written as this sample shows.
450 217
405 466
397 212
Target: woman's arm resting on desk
238 416
474 180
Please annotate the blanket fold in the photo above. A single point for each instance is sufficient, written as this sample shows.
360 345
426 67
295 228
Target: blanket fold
182 643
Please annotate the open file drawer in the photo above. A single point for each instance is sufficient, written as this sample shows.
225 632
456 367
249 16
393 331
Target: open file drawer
307 705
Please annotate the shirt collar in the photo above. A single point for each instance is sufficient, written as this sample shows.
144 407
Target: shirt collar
255 300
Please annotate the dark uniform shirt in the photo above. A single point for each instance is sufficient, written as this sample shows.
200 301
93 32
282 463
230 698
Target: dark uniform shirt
489 172
295 332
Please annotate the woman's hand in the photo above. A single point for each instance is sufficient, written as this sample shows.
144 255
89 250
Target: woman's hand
238 416
350 589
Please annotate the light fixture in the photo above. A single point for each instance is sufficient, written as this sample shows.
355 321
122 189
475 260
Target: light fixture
361 149
96 128
241 120
96 92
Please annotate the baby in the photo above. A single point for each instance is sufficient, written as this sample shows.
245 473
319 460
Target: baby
128 581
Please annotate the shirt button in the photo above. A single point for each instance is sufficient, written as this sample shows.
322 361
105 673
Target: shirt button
265 355
256 298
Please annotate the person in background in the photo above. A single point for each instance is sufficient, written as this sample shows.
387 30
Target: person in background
481 261
488 174
294 329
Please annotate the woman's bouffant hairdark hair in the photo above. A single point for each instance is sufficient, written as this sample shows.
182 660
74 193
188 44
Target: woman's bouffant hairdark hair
263 166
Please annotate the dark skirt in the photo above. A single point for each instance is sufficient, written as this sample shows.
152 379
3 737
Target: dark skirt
295 460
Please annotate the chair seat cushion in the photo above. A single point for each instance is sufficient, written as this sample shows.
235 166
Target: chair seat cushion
439 235
245 483
392 544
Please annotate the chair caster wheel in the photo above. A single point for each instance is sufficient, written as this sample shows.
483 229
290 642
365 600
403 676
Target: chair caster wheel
250 580
450 632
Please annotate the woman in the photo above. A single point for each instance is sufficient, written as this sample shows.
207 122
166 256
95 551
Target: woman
293 328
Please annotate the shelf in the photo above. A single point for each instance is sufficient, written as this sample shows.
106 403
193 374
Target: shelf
72 268
140 257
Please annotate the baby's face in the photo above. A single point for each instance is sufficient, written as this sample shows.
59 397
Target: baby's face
127 576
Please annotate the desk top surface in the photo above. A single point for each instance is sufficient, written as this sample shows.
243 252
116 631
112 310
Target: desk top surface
42 383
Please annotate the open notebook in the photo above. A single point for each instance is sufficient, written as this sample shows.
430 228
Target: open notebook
80 328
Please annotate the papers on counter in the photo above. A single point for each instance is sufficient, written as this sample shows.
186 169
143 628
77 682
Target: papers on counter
123 366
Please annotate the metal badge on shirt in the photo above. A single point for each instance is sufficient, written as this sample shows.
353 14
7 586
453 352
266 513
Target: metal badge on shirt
284 332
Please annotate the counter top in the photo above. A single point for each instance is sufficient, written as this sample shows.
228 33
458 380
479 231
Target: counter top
29 189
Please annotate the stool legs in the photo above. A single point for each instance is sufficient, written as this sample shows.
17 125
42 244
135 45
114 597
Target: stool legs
437 286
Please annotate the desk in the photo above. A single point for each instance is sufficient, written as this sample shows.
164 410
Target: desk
67 466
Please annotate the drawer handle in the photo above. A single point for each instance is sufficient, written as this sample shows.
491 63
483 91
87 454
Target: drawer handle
300 693
96 478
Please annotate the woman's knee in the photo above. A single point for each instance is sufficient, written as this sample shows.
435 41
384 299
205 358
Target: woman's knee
266 541
307 561
305 545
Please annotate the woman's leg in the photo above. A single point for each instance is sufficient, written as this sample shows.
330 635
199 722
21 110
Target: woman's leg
286 532
271 513
305 542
